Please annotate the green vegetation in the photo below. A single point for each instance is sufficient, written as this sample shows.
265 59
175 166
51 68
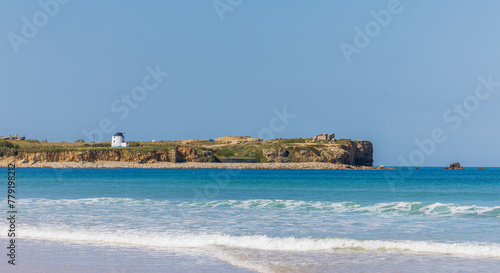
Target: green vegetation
7 144
246 150
224 151
294 140
342 141
134 144
314 150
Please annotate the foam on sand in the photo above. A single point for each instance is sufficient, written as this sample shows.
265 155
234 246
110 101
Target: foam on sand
209 241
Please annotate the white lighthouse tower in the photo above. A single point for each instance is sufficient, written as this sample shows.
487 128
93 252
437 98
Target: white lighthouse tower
118 140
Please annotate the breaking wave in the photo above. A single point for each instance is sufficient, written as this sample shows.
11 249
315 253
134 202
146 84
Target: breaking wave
209 241
390 208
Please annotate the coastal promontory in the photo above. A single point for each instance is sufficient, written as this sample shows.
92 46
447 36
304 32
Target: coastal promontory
223 150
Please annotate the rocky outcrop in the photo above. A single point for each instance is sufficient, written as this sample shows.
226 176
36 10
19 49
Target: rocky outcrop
95 156
187 154
363 153
305 156
276 155
359 153
181 154
4 153
454 166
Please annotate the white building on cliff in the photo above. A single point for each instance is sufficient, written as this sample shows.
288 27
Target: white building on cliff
118 140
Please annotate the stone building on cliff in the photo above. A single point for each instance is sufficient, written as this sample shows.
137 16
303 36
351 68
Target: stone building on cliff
327 137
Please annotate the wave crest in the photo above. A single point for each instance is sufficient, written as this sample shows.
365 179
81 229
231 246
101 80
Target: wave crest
390 208
265 243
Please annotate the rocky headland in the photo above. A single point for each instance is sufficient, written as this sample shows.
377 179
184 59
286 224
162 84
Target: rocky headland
229 152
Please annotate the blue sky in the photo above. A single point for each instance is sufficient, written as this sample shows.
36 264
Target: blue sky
68 67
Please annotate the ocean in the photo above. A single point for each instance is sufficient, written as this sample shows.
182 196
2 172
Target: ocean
218 220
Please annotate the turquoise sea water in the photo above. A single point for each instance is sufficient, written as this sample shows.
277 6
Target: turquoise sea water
259 220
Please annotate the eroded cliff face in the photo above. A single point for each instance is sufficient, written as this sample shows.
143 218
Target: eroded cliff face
181 154
358 153
276 155
118 155
363 153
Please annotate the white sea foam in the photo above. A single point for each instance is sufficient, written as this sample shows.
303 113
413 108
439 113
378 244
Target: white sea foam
391 208
235 260
209 241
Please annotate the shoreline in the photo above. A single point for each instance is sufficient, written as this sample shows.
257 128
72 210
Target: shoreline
190 165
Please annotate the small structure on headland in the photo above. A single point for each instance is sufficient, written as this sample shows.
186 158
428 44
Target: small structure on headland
327 137
12 138
118 140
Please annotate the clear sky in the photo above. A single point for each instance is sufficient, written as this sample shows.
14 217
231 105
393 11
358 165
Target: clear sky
392 72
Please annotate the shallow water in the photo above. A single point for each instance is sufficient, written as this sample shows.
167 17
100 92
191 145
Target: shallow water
262 220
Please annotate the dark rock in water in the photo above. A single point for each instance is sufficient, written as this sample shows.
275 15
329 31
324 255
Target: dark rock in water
481 169
454 166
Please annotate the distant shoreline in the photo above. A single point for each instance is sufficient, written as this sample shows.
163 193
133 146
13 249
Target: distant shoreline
190 165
